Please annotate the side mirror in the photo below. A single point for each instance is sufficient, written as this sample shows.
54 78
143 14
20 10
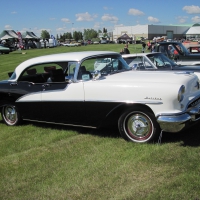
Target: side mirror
96 75
134 67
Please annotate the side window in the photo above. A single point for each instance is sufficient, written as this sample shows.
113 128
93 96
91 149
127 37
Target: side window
147 64
71 70
86 69
39 73
179 49
140 63
132 61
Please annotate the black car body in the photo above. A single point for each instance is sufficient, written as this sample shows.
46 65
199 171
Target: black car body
184 57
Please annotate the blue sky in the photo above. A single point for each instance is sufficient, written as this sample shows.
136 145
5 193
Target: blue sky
61 16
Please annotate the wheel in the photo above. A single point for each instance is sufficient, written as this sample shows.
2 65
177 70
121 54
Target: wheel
138 126
10 115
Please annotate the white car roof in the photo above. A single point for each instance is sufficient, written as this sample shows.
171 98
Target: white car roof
61 57
138 54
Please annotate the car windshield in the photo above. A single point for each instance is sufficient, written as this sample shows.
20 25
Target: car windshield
181 48
161 61
106 64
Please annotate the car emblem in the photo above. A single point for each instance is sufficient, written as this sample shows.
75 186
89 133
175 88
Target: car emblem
153 98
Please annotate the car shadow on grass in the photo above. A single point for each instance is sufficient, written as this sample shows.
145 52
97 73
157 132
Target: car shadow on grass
101 132
188 137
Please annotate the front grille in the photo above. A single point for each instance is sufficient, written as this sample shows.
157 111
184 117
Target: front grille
194 103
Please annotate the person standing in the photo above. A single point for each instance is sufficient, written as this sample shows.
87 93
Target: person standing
143 46
149 45
126 50
122 51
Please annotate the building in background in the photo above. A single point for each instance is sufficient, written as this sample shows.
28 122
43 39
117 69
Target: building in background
150 31
194 32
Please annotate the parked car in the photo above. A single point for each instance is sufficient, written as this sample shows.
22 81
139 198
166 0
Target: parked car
103 42
183 56
158 62
194 49
3 49
70 44
65 89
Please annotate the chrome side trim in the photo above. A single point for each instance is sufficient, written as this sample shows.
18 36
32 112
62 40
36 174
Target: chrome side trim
60 123
104 101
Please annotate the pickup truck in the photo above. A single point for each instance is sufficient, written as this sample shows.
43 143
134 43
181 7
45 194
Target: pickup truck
178 52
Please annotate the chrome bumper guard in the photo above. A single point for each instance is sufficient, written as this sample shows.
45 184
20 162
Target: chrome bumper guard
175 123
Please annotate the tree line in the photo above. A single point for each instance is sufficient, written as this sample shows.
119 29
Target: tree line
87 34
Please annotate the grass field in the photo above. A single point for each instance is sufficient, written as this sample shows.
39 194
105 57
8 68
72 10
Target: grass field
39 161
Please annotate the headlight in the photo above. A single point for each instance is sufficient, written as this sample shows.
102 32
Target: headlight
180 93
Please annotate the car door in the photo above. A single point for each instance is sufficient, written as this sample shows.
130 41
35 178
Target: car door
27 96
63 105
27 91
63 102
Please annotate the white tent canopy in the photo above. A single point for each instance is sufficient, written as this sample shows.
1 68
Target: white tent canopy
29 35
193 32
6 37
8 34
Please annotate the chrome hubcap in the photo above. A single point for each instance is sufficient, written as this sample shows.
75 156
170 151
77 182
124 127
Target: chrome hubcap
139 126
10 114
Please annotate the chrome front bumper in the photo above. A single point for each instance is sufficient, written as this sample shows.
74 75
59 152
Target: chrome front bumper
175 123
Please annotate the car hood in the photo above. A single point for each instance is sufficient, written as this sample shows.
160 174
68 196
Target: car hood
151 76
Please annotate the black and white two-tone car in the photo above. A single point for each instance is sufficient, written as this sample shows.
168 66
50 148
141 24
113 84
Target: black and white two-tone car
96 88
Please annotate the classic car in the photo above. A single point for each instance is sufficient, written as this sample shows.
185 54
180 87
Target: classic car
65 89
182 56
71 44
158 62
194 49
3 49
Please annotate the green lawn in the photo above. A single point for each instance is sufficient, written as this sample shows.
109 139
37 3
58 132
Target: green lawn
39 161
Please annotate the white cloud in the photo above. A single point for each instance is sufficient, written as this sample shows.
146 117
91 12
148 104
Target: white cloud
45 29
85 17
108 17
97 25
182 19
14 12
135 12
153 19
60 29
192 9
65 20
8 27
196 19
